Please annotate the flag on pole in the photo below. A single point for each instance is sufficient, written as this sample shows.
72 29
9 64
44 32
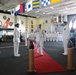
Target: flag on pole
13 11
45 2
17 10
29 6
25 8
55 1
22 8
35 4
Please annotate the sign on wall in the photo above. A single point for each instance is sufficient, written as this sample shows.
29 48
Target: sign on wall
7 24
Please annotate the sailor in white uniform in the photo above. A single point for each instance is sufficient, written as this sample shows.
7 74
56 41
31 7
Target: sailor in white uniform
16 40
31 38
39 39
44 35
32 35
26 33
66 36
50 36
53 36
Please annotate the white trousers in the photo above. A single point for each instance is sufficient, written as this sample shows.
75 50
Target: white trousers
16 48
40 46
51 38
44 39
65 43
25 41
54 39
48 38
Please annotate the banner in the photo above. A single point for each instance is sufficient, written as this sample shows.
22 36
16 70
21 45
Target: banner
29 6
45 3
55 1
36 4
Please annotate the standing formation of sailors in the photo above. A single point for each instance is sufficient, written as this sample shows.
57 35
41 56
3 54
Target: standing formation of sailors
54 36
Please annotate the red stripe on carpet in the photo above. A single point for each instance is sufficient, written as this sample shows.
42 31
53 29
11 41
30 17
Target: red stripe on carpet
45 64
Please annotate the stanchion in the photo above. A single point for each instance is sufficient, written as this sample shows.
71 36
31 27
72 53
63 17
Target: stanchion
31 57
69 57
4 36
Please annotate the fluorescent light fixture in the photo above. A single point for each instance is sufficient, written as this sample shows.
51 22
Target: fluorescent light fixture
26 14
74 3
36 11
43 13
37 16
66 8
8 10
52 7
48 13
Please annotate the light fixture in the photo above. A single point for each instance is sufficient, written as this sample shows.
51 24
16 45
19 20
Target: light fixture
37 16
48 13
52 7
66 8
43 13
26 14
36 11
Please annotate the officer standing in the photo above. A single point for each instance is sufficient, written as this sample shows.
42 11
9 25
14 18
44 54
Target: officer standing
66 36
16 40
26 33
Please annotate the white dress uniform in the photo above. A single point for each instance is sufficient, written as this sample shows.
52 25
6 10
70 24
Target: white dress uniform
57 34
16 40
39 40
26 33
50 36
44 36
53 36
60 37
66 36
32 36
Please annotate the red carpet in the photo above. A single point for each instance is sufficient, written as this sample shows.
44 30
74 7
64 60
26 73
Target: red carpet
45 64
